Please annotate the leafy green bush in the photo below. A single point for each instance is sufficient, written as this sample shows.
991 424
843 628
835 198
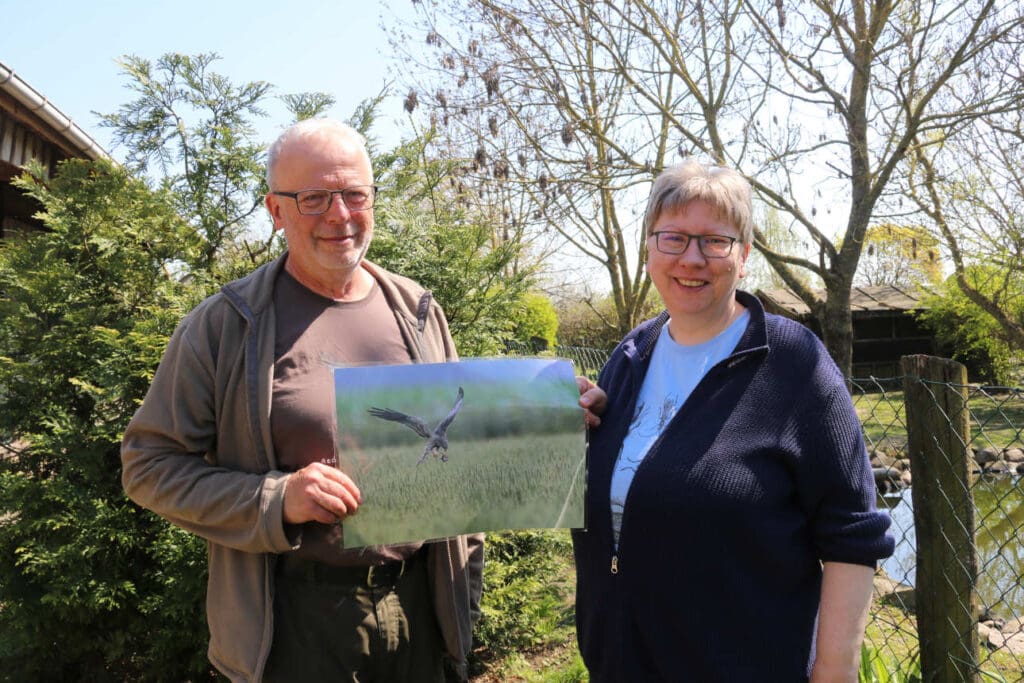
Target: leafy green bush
967 332
527 591
430 232
536 321
91 587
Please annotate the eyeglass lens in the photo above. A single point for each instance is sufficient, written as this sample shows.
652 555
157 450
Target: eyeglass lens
319 201
713 246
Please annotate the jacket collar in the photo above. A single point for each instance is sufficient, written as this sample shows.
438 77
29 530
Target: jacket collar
254 293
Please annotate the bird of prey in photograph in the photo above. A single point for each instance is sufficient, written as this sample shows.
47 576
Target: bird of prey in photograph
437 441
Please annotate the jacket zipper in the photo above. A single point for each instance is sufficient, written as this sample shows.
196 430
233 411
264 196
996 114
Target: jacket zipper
614 569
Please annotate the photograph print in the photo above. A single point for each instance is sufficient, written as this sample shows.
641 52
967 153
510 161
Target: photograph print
443 449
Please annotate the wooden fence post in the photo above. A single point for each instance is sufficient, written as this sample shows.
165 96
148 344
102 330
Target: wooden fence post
947 561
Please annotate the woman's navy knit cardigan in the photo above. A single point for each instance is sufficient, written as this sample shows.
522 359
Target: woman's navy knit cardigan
760 477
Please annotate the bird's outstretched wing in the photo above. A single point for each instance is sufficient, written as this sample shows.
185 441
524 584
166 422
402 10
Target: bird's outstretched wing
442 427
414 423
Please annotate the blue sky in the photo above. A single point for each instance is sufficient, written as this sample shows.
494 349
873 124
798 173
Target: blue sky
67 50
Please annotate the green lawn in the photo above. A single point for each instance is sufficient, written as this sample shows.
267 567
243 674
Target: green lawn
992 419
892 632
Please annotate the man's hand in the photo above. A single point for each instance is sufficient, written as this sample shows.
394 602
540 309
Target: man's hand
320 493
593 400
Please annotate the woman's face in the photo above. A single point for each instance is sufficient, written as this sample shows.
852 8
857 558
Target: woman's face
698 291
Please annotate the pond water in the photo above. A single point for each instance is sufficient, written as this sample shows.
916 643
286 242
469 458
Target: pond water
999 516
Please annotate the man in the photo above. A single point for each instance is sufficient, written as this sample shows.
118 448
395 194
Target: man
235 441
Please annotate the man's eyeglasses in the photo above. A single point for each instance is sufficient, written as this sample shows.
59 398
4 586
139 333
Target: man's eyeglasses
315 202
675 243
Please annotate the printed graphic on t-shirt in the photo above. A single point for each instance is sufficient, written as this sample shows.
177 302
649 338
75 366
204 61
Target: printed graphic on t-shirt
673 374
644 430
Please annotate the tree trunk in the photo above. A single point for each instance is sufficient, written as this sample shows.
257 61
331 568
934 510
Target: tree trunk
836 323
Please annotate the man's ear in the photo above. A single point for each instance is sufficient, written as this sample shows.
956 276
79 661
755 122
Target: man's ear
273 204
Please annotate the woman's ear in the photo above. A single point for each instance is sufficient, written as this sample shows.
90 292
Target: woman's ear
744 253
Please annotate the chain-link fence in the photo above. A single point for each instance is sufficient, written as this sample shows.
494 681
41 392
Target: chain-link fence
950 598
587 360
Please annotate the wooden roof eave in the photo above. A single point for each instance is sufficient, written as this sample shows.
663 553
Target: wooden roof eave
36 111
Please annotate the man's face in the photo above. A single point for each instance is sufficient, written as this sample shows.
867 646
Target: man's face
323 249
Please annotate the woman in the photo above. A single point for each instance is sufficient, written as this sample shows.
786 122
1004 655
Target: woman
732 533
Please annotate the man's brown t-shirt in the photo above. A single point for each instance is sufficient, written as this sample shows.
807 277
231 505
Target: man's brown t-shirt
315 334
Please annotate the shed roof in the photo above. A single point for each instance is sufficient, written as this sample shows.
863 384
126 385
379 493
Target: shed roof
866 298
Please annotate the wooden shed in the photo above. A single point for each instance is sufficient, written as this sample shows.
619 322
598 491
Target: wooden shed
32 128
884 326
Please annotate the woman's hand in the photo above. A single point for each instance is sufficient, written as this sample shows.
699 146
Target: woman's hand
593 400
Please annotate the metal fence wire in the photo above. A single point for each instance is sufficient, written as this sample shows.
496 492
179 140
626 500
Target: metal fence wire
586 360
979 540
990 458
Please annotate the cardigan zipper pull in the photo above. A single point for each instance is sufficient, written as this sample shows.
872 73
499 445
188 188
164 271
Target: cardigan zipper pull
615 564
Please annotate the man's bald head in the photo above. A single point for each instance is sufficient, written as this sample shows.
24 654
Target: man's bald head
312 130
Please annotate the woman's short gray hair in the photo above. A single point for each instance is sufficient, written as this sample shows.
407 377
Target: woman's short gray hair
721 187
311 128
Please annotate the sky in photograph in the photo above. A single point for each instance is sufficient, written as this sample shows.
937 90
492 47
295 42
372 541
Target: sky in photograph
68 49
512 376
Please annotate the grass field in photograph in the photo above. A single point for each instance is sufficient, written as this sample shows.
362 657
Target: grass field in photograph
524 482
